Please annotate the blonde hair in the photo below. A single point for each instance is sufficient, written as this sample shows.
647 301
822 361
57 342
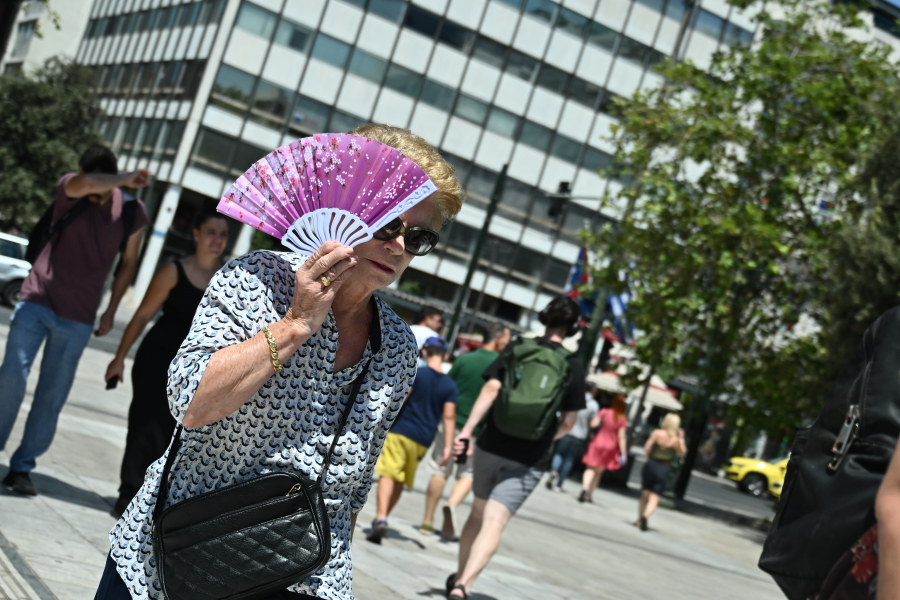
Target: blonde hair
671 424
450 195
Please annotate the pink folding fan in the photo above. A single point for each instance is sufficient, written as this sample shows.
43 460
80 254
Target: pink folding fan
327 187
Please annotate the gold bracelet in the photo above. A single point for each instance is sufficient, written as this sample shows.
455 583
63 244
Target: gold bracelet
272 348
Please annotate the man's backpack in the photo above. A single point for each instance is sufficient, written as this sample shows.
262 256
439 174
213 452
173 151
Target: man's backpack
837 465
535 378
47 232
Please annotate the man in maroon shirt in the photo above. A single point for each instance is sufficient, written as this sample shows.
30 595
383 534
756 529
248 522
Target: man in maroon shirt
59 301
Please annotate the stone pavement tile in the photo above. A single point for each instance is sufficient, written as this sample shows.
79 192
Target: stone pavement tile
60 575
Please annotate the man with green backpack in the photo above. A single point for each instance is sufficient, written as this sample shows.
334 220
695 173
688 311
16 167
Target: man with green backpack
533 393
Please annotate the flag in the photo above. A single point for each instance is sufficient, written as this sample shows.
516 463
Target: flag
618 304
580 275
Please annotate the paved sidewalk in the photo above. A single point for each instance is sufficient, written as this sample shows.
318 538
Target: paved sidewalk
54 546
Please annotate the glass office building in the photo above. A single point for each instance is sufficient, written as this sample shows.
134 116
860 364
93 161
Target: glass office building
198 90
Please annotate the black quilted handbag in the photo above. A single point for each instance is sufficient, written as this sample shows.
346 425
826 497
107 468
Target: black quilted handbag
244 541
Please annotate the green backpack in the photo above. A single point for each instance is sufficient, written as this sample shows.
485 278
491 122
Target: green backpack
534 381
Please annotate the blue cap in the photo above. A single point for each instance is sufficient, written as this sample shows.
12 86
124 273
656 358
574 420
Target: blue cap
436 341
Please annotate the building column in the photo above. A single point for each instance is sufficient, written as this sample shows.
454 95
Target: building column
242 243
157 236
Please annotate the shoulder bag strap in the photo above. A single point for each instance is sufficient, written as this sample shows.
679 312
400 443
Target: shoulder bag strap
374 342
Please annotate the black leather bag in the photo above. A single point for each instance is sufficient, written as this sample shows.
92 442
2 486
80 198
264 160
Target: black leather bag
244 541
837 465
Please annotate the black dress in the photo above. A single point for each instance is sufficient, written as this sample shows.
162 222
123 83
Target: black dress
150 424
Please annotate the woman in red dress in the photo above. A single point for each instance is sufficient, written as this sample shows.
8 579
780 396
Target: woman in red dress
607 450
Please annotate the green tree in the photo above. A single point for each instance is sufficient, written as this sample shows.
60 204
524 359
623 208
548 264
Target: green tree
46 122
722 235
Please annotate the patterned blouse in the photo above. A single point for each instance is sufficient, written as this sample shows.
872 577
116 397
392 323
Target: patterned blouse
287 424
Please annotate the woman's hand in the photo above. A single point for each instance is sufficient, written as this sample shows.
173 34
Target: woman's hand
116 368
312 298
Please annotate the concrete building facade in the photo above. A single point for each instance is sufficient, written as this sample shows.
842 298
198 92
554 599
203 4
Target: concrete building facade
197 90
43 31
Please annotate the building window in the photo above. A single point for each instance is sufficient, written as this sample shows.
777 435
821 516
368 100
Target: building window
367 66
272 102
572 22
437 95
609 105
403 80
331 50
456 36
165 18
584 92
503 122
675 9
422 21
708 23
310 115
293 36
521 65
738 36
471 109
489 51
596 160
553 79
656 5
392 10
536 136
233 88
632 50
565 148
24 33
244 156
342 122
602 36
541 9
256 20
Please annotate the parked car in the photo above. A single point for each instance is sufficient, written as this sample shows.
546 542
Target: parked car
13 267
757 477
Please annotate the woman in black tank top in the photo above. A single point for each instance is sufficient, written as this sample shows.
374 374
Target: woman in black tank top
177 288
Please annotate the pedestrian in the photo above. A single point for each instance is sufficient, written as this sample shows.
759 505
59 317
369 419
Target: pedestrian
607 451
60 298
431 401
540 408
571 446
245 413
429 322
177 288
663 445
466 373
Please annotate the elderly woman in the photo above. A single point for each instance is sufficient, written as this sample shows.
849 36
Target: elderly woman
242 419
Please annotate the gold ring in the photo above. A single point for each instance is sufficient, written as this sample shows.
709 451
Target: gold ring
325 281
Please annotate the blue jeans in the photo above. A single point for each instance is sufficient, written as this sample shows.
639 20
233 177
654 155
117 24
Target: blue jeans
568 450
29 325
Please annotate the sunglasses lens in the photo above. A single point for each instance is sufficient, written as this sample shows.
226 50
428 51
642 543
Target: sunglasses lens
421 241
389 231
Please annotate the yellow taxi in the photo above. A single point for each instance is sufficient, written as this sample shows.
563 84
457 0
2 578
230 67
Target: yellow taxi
755 476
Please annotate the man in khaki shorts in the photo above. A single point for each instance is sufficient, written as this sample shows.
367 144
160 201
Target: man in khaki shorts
466 373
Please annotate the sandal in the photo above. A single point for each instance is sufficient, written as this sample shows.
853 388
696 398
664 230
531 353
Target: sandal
461 588
448 585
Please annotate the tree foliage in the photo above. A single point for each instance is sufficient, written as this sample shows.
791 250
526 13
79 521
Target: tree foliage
46 122
724 235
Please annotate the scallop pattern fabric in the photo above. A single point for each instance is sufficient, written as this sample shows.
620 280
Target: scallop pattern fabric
287 424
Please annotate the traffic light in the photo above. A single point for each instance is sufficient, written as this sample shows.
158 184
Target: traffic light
557 200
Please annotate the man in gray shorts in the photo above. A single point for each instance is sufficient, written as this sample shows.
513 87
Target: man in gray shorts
467 374
505 468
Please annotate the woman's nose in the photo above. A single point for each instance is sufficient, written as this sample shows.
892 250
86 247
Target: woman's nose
396 245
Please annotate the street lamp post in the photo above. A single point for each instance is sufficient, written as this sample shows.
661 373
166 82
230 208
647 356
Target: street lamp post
462 296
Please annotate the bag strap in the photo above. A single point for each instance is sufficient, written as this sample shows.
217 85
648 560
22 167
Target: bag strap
374 342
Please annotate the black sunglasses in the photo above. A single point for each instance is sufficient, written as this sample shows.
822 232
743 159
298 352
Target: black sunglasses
418 241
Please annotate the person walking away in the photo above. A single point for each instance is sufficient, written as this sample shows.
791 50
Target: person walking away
60 297
466 374
533 393
431 400
429 321
571 446
663 445
607 451
177 288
